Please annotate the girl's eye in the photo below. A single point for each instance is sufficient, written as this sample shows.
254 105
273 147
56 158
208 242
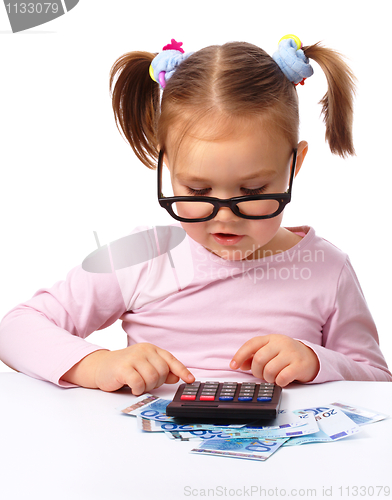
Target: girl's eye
251 192
203 192
197 192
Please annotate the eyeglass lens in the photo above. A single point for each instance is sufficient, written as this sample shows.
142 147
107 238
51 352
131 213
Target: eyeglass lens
198 209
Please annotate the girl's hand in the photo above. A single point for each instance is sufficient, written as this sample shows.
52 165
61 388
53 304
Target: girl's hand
142 367
277 359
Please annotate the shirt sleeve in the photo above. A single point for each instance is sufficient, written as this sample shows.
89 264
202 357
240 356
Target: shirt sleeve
44 336
350 349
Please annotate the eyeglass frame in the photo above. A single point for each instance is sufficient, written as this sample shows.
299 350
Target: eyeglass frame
282 198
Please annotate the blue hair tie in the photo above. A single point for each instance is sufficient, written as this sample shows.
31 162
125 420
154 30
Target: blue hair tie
292 60
165 63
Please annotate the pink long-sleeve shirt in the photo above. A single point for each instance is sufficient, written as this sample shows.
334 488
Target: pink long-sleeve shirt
202 310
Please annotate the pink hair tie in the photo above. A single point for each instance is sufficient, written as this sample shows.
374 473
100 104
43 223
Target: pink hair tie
174 46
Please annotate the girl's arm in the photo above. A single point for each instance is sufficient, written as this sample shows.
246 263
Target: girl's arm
44 336
351 349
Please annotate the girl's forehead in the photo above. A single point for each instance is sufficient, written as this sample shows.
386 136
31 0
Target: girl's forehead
251 141
213 126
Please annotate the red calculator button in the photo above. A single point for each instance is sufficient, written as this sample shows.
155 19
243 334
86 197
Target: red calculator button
207 398
188 397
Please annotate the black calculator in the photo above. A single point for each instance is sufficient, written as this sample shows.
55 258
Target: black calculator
246 401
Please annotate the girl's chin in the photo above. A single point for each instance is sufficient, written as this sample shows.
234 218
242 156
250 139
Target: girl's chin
234 254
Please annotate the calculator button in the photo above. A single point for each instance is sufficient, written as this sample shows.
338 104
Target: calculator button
264 398
225 397
188 397
207 398
245 398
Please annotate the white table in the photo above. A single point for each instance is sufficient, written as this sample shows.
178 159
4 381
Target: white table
73 444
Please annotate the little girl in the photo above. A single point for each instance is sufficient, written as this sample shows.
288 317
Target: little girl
241 295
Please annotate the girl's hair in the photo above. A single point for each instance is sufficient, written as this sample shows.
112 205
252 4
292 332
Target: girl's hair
235 80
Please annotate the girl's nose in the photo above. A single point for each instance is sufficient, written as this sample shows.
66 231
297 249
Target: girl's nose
225 214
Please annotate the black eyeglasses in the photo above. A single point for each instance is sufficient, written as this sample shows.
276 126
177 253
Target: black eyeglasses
203 208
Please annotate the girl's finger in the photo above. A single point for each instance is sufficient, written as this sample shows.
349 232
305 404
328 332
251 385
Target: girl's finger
246 351
171 378
149 374
176 367
247 364
286 376
161 367
273 368
135 381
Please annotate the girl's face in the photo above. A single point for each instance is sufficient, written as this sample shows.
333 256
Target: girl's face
251 159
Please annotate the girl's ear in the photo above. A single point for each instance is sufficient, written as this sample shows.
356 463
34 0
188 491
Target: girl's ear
302 150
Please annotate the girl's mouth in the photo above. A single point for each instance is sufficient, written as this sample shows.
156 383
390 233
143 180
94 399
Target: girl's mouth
227 239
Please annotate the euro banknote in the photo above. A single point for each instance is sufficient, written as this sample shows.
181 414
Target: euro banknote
333 425
287 424
150 407
204 431
360 416
245 433
201 435
249 449
149 425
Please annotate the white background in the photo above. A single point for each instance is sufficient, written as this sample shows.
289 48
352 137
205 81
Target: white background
65 171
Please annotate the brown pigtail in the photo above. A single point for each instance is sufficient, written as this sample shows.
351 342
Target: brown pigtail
135 102
337 103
